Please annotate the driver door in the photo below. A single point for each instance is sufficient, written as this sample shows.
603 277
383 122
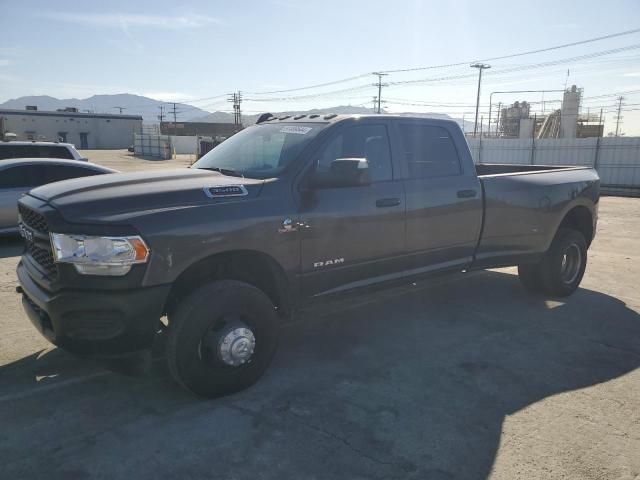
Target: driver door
352 234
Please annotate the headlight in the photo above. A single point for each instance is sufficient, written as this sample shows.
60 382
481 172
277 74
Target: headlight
99 255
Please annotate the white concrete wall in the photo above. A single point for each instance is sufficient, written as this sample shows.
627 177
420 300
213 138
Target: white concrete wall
617 159
106 132
184 145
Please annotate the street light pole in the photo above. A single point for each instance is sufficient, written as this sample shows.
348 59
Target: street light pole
480 67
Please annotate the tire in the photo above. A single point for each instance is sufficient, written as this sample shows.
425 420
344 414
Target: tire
202 321
529 276
560 271
554 281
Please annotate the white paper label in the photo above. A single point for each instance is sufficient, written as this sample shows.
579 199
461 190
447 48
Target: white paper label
295 129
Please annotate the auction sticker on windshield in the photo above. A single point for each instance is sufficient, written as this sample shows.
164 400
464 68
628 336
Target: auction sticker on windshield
300 130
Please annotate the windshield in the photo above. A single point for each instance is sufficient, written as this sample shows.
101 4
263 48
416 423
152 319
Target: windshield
261 151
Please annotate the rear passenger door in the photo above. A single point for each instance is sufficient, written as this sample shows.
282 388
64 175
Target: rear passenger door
443 195
15 181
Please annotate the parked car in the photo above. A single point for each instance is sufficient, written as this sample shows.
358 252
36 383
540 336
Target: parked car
18 176
286 212
39 150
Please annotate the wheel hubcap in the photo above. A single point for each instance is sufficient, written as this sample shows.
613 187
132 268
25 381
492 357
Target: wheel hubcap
571 263
236 344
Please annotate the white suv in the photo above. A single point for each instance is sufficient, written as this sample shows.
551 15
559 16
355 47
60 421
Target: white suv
39 150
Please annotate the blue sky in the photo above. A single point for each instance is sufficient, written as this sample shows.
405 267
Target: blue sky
188 51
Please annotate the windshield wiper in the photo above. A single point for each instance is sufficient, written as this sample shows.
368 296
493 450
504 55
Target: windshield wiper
225 171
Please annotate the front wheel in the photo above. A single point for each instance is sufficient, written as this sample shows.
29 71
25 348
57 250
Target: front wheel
560 271
222 338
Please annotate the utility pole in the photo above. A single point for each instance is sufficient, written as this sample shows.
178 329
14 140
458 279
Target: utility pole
601 125
380 85
618 116
161 116
175 118
498 119
236 99
121 109
480 67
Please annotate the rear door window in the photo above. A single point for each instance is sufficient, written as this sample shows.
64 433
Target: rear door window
50 151
57 173
21 176
429 151
35 151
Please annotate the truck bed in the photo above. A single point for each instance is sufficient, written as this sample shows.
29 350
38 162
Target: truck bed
486 169
524 204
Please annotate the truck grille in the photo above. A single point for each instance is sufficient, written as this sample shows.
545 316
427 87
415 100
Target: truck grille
33 219
38 247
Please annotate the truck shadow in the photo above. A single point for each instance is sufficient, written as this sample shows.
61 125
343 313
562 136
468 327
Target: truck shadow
413 382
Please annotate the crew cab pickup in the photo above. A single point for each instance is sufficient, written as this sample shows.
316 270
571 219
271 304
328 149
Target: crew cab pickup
284 212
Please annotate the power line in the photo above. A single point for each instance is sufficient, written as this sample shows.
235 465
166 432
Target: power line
318 85
451 77
522 68
513 55
312 95
363 75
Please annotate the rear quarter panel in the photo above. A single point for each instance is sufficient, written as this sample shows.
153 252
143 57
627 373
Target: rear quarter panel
523 211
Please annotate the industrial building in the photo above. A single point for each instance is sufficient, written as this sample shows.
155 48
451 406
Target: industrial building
518 121
85 130
200 129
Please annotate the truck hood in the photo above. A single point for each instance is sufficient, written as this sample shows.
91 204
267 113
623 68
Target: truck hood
116 197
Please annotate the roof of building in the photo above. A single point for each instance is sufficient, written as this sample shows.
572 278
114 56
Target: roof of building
43 113
33 142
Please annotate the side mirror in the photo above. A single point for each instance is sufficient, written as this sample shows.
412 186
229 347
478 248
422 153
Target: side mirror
344 172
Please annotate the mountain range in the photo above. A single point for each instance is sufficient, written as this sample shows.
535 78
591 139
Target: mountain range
149 109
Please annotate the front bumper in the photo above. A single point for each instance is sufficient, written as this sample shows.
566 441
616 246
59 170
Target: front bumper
97 323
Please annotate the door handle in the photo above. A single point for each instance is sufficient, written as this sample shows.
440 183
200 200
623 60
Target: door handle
387 202
467 193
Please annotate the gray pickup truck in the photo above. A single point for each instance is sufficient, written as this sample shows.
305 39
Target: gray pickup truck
287 211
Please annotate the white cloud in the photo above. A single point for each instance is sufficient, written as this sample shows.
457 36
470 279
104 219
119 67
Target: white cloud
631 74
132 20
7 78
4 62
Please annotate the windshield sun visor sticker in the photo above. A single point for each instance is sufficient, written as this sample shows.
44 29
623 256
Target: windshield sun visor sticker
226 191
298 129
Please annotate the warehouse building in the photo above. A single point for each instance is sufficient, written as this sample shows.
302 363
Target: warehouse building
202 129
84 130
